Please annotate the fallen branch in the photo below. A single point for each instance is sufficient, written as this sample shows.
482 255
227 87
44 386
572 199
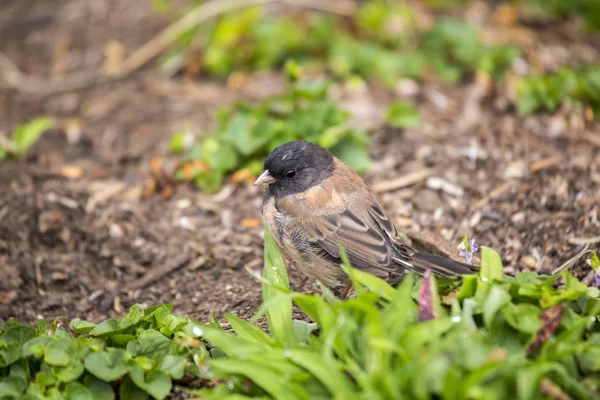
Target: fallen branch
15 79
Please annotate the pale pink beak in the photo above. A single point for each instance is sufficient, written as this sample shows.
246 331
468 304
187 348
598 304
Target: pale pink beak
265 179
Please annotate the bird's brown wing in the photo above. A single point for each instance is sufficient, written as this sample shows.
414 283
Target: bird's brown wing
330 218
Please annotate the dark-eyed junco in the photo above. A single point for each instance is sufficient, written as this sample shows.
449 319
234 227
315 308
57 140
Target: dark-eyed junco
314 203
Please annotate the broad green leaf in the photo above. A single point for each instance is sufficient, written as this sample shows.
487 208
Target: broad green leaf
106 328
128 390
491 269
9 353
57 353
173 366
82 327
69 373
356 156
132 318
523 317
496 299
77 391
109 365
100 390
403 115
149 343
156 383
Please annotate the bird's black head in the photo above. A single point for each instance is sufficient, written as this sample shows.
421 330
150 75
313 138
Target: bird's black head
295 167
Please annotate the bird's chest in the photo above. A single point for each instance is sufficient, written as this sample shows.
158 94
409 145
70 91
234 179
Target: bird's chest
290 238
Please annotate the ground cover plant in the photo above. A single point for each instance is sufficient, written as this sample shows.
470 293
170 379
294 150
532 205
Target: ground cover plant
492 337
247 133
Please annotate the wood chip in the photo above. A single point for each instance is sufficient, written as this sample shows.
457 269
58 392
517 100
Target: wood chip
545 163
583 241
117 305
7 297
161 271
496 192
250 223
403 181
71 171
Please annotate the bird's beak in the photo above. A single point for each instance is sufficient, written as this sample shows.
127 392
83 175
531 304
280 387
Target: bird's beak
264 179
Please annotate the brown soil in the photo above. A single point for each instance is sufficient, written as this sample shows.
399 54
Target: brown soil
90 247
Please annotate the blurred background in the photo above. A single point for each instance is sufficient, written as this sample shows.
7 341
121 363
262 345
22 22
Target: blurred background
130 132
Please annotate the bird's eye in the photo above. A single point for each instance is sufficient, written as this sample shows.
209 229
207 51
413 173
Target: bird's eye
290 174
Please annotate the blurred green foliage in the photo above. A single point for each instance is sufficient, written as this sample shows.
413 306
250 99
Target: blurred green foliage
24 136
588 10
247 133
547 92
381 42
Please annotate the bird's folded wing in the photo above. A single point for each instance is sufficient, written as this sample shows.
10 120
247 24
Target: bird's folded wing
363 238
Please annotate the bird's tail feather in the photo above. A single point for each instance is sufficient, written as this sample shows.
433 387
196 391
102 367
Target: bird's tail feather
441 266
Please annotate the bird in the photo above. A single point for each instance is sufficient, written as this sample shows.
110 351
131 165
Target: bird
314 203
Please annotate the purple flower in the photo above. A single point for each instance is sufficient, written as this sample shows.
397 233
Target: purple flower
597 278
466 249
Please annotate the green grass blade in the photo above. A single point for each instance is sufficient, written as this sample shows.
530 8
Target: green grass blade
279 315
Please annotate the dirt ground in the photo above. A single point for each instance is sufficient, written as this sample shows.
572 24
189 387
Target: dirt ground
77 240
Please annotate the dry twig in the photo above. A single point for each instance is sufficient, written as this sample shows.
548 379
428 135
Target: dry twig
403 181
15 79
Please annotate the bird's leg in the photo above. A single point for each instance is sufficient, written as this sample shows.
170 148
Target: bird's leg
346 290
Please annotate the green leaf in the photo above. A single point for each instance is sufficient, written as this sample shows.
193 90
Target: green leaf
57 353
523 317
219 155
328 371
403 115
100 390
149 343
366 280
69 373
26 135
355 155
264 376
279 315
496 299
106 328
174 366
302 330
109 365
128 390
248 331
156 383
211 182
82 327
178 144
9 353
77 391
491 269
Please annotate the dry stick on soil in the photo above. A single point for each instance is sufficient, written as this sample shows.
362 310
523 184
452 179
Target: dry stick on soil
162 271
14 78
571 261
403 181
